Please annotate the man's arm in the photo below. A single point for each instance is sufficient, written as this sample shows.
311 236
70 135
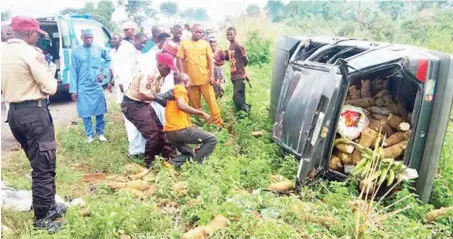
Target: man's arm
244 55
74 74
180 65
210 62
180 56
41 75
190 110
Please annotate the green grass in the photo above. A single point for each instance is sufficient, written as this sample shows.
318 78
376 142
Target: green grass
230 183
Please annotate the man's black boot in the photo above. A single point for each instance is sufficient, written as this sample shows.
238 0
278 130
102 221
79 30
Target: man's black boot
49 225
56 211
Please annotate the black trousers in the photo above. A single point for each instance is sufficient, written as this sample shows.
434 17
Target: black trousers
239 94
192 135
32 126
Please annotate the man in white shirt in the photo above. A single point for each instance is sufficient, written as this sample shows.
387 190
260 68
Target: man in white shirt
186 33
125 58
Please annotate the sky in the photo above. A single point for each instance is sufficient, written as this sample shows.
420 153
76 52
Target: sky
217 9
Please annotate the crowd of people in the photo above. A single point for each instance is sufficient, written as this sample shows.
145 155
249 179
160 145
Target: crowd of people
159 82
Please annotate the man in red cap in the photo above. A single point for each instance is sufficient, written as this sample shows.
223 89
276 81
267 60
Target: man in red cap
26 85
167 70
144 89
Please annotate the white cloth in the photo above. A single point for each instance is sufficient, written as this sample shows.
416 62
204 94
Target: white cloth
186 35
167 84
136 140
124 62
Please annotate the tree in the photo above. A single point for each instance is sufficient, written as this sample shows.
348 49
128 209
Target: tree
6 15
198 14
394 8
275 10
134 6
253 10
102 12
169 9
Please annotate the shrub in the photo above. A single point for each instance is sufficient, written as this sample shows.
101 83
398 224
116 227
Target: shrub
258 49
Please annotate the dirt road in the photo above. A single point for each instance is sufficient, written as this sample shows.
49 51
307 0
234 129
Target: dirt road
63 111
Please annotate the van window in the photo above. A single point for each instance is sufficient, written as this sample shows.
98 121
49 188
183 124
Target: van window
64 31
100 36
330 55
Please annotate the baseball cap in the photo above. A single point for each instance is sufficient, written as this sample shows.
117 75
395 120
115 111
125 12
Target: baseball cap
22 23
167 59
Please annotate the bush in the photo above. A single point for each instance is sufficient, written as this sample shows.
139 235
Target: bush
258 49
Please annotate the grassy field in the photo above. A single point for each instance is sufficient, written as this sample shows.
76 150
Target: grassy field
231 183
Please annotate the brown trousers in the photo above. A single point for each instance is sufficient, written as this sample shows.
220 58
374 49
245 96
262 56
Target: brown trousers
144 118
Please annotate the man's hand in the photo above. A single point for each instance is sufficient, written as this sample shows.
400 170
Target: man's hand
74 96
121 88
101 78
213 81
109 87
206 117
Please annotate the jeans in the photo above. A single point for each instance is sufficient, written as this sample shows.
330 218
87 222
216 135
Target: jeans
239 95
193 135
100 125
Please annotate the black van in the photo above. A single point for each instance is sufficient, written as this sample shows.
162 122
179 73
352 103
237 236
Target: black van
311 78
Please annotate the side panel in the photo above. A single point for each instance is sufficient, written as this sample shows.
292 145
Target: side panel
443 98
281 59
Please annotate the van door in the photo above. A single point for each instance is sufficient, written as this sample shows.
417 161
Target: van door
306 106
65 53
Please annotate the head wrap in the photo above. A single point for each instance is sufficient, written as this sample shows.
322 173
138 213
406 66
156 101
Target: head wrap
87 33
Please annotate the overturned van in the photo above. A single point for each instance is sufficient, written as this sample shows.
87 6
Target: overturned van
64 35
315 77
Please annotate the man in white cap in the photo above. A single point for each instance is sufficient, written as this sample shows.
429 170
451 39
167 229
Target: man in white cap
129 31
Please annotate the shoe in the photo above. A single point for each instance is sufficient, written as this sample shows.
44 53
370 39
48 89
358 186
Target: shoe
90 139
48 225
102 138
56 211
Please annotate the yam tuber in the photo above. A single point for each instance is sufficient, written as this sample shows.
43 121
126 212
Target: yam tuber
138 184
380 143
196 233
354 93
367 137
397 138
395 150
356 157
379 85
402 110
394 121
219 222
393 108
363 103
379 116
180 188
141 174
135 192
345 158
404 126
434 214
345 148
281 187
116 186
384 101
365 90
335 163
382 93
379 110
381 126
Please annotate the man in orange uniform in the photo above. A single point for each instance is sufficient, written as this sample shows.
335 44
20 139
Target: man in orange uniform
195 59
179 130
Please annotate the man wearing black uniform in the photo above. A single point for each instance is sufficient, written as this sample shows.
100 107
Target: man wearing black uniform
26 85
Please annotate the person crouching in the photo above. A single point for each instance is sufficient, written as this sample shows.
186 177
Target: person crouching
178 129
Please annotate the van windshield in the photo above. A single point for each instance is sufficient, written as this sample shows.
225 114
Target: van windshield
100 37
